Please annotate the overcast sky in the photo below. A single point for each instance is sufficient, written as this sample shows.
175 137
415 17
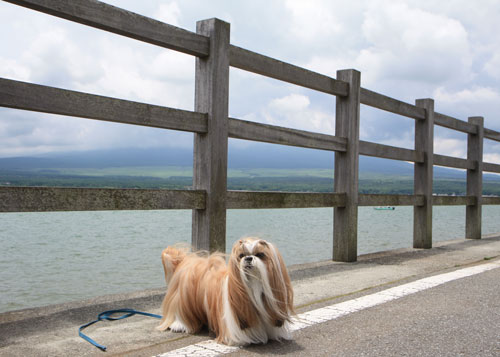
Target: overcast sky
446 50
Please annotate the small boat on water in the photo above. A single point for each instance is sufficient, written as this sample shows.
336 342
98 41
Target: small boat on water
385 208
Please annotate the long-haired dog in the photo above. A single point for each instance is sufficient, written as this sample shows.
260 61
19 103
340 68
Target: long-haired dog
248 300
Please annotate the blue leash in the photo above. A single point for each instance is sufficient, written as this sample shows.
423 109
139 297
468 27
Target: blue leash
106 315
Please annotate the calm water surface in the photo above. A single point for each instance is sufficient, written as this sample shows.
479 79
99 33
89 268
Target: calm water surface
55 257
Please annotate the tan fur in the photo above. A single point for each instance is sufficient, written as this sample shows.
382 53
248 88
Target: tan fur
196 282
171 258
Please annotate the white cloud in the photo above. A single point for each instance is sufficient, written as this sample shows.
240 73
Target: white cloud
135 78
402 49
290 104
467 102
295 111
410 43
330 64
169 13
405 49
171 66
54 59
491 158
313 20
96 62
13 69
492 67
450 147
26 133
102 66
467 96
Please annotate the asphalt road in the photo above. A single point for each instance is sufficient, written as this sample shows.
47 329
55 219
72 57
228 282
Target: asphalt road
458 318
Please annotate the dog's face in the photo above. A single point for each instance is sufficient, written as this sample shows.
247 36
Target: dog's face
251 256
259 267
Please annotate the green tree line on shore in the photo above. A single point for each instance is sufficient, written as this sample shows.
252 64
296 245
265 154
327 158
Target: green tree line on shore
374 185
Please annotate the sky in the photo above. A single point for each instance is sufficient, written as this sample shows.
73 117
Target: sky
445 50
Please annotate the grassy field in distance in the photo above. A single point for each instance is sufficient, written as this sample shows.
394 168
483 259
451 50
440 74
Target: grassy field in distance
178 171
253 179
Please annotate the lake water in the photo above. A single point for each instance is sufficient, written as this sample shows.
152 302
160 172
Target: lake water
48 258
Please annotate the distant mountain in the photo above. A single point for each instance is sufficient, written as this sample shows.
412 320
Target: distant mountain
253 156
102 159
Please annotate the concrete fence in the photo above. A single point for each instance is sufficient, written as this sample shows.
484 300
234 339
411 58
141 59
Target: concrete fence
209 199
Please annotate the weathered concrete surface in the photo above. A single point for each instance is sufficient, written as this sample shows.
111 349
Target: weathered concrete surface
53 330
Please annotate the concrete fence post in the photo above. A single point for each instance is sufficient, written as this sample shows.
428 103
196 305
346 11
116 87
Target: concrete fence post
475 179
210 149
345 223
424 142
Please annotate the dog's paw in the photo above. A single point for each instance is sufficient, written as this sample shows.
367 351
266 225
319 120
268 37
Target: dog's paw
178 326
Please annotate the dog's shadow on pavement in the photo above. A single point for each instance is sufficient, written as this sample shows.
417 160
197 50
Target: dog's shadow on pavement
275 348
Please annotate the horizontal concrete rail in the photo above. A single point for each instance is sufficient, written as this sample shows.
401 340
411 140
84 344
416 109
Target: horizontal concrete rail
491 134
44 199
449 161
486 200
122 22
273 68
390 200
47 199
489 167
33 97
395 106
453 200
247 130
453 123
248 199
380 101
389 152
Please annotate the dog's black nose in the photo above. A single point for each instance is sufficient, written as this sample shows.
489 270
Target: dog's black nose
248 259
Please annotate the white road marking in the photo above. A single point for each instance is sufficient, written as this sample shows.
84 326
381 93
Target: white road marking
306 319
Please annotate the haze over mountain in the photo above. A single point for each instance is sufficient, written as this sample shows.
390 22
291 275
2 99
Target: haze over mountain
255 156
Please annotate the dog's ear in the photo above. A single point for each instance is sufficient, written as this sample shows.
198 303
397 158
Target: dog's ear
281 283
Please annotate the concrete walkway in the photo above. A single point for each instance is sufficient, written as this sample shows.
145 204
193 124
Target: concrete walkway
415 320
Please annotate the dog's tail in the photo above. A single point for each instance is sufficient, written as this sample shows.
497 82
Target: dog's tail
171 257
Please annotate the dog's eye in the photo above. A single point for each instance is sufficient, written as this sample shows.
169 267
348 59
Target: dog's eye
260 255
241 256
